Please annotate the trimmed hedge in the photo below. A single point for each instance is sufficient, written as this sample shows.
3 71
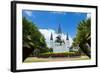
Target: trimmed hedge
64 54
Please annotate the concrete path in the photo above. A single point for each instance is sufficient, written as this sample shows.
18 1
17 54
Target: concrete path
35 59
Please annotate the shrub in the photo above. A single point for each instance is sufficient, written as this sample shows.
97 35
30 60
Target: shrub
64 54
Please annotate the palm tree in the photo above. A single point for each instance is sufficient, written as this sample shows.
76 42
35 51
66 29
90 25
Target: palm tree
83 37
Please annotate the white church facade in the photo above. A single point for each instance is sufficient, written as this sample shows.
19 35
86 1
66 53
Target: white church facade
59 44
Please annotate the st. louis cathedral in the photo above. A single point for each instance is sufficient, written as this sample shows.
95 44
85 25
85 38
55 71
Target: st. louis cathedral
59 44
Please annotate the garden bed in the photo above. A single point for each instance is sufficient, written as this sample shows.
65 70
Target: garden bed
64 54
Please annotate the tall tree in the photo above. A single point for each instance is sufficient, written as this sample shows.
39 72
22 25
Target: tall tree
32 39
83 37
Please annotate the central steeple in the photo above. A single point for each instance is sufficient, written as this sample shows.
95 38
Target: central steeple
67 38
59 29
51 38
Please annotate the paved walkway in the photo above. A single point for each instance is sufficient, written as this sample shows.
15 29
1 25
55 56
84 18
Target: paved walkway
35 59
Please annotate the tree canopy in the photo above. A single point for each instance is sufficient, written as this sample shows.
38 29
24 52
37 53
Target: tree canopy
83 36
32 38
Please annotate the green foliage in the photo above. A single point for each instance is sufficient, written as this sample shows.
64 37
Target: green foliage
32 38
83 36
84 29
50 49
63 54
31 33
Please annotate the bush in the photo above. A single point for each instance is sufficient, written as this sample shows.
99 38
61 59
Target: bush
64 54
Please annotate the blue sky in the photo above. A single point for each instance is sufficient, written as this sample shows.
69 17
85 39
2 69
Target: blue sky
51 19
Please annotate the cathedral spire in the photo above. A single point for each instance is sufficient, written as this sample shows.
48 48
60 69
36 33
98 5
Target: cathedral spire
59 29
67 38
51 38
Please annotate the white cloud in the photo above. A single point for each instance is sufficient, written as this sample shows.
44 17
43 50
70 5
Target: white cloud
88 15
47 34
29 13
